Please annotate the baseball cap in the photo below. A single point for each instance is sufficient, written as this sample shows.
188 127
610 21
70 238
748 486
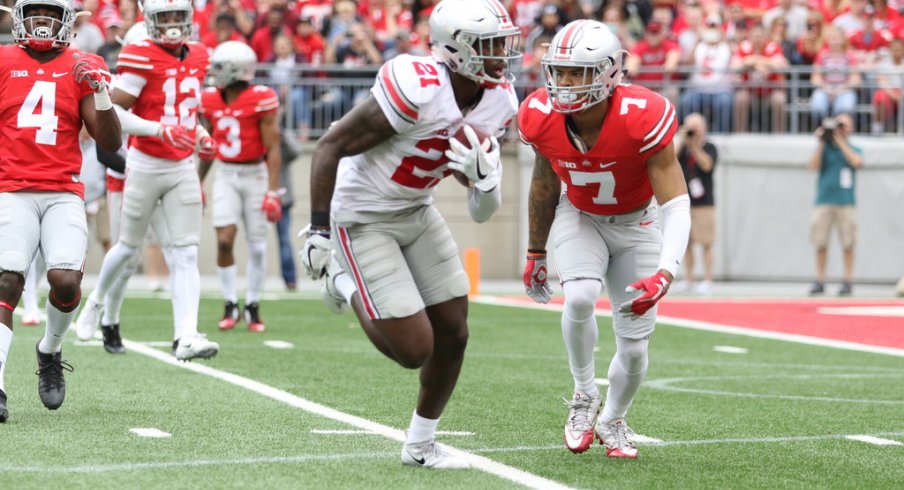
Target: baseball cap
654 27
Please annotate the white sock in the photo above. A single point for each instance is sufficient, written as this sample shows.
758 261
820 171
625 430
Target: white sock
626 372
580 332
114 297
346 286
55 329
186 281
6 338
227 282
421 429
114 262
257 271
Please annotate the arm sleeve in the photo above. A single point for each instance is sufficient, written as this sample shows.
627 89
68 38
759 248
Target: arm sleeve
676 228
111 159
135 125
482 205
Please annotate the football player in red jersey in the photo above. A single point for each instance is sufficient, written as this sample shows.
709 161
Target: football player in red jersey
160 81
611 144
47 91
246 190
394 258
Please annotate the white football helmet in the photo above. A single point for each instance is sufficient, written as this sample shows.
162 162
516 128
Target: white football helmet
49 33
463 34
231 62
590 45
168 21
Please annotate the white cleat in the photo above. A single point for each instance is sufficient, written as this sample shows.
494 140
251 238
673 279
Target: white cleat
431 455
195 347
88 320
331 296
618 439
579 426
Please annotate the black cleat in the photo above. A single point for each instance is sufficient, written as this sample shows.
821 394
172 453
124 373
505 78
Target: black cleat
4 413
112 340
231 316
51 385
253 317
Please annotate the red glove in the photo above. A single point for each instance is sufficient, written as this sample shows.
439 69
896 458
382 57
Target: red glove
207 148
535 275
87 72
653 288
176 136
272 208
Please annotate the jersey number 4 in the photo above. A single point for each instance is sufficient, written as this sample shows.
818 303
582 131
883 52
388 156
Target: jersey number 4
42 95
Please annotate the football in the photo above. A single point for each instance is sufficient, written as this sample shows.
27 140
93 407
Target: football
462 138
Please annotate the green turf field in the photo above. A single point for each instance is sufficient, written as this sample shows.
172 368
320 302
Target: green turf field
327 412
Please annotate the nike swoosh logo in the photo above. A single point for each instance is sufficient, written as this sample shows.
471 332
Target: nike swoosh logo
606 165
419 461
192 71
480 175
58 75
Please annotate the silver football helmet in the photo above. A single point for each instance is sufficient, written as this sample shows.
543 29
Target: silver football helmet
168 21
466 33
40 32
231 62
587 45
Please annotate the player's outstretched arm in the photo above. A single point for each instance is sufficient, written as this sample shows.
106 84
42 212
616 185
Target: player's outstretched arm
361 129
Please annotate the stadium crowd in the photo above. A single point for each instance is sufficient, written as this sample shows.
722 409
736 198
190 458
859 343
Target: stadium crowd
747 65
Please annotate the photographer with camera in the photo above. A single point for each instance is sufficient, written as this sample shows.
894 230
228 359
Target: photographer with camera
698 160
836 160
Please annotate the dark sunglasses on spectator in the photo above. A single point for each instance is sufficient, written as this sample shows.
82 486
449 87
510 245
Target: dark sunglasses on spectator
812 26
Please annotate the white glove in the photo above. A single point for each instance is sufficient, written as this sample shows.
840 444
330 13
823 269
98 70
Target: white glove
480 164
315 254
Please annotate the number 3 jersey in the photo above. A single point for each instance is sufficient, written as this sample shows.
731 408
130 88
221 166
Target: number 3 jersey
40 113
416 96
611 177
237 125
168 90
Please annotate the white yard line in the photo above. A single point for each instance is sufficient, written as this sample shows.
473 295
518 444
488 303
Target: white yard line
728 349
477 462
149 432
352 432
278 344
875 440
715 327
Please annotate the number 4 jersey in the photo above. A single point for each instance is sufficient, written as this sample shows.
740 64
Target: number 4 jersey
41 118
237 125
168 90
416 96
611 177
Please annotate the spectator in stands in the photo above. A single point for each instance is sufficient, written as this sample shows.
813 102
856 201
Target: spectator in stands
811 42
834 77
403 45
837 161
317 11
830 9
88 36
225 29
385 18
109 51
709 88
308 42
654 61
741 34
759 60
698 158
293 98
852 20
344 16
532 75
867 41
290 150
754 9
890 79
795 15
886 15
547 25
614 18
778 33
524 14
353 50
240 10
736 23
689 37
263 40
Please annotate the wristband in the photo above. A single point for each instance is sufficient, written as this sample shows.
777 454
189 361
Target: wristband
102 101
536 251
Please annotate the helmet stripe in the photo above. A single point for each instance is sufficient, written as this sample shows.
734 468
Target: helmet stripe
500 10
565 44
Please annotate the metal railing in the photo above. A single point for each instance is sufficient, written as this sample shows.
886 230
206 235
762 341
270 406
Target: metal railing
317 96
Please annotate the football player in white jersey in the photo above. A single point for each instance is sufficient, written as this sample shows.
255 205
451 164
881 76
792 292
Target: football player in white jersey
393 256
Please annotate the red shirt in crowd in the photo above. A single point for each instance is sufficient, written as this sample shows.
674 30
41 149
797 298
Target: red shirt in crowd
771 50
652 56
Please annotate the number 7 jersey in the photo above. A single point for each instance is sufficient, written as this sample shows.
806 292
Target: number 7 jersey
415 93
611 177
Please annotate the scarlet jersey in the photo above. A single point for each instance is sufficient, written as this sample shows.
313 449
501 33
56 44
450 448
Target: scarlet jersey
415 93
41 118
611 178
237 126
168 90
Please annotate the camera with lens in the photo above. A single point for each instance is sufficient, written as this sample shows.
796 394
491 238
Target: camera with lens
829 125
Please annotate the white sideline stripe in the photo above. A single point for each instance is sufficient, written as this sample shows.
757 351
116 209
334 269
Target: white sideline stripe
642 439
874 440
862 310
157 343
279 344
347 432
477 462
601 381
727 349
149 432
88 343
715 327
